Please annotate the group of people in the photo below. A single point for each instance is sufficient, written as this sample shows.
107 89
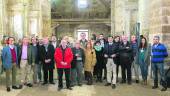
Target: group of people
97 58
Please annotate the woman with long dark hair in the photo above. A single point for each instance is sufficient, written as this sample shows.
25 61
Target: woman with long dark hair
143 59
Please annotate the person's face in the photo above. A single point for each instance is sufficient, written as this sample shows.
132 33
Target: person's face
101 37
143 41
133 38
97 44
63 43
34 41
88 46
25 41
53 38
155 40
124 38
77 45
83 36
45 41
110 39
117 39
11 41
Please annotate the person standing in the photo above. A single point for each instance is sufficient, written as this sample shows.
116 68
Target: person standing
47 57
144 59
117 58
77 65
159 52
24 62
90 61
126 55
110 52
103 43
34 58
135 66
100 61
10 63
63 57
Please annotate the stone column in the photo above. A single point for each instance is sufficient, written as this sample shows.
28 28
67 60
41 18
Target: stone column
113 17
127 22
119 17
143 16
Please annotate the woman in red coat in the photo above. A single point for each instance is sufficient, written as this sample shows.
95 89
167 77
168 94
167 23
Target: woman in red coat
63 57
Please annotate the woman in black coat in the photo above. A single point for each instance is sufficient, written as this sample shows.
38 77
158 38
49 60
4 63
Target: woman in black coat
100 61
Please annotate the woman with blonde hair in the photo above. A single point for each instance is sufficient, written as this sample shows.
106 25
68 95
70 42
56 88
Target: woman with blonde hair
90 61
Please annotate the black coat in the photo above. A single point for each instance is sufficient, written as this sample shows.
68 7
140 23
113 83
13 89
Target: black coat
110 49
47 55
117 58
126 54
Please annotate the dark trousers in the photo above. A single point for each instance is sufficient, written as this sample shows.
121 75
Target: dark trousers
48 73
117 70
99 70
89 77
126 71
60 76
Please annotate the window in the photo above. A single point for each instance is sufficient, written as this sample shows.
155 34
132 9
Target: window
33 26
82 4
18 25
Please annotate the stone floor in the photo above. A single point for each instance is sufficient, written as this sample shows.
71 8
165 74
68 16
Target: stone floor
98 89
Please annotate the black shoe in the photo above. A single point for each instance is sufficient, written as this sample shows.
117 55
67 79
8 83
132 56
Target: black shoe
164 89
123 81
52 83
15 87
69 88
20 86
29 85
8 89
137 81
80 85
107 84
44 83
113 86
154 87
129 83
59 88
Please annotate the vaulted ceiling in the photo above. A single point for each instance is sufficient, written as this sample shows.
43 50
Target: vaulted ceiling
68 9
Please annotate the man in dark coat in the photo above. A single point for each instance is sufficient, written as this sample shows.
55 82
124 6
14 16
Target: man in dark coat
47 57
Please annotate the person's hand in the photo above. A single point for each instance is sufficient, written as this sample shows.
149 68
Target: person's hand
105 55
77 55
127 47
114 55
63 63
47 60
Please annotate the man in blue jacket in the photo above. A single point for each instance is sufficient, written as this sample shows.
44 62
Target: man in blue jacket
159 52
10 62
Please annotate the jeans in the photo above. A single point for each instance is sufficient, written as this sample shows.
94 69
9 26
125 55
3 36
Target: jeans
39 71
159 67
77 74
144 68
136 68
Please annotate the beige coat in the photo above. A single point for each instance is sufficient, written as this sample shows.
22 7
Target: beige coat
90 60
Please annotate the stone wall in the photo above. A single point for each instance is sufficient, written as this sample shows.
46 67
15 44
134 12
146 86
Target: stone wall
160 21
